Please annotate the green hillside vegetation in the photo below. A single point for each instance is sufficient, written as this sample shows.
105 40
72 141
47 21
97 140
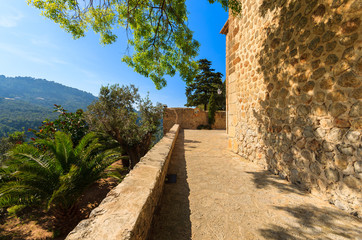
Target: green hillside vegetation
25 102
44 93
16 115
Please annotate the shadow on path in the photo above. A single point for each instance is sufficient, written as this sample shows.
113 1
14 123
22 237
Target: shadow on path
172 219
306 221
313 222
265 178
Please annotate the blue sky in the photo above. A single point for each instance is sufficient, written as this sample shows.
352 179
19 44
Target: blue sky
31 45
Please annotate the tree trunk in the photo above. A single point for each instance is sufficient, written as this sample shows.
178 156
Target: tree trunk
137 151
125 162
65 219
134 156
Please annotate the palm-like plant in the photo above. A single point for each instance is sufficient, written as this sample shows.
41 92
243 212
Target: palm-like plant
54 178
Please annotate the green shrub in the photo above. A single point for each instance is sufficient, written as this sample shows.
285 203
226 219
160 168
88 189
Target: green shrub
68 122
14 210
200 127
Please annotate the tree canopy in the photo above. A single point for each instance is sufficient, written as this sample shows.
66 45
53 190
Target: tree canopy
114 114
206 83
157 31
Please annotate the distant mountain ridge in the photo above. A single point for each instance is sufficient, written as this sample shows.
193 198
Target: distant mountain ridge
43 93
25 102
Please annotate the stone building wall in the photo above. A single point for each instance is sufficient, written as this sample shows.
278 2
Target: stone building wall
294 93
191 118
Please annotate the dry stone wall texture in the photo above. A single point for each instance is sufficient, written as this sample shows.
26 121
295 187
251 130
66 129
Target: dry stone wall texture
294 93
127 211
191 118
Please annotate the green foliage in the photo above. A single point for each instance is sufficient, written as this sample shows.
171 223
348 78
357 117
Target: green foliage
16 137
14 210
68 122
158 135
25 102
212 110
54 178
114 115
16 115
158 33
7 143
234 5
206 82
118 172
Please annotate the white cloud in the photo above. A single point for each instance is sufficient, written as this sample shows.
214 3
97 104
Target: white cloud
59 61
34 56
10 17
42 41
27 55
87 73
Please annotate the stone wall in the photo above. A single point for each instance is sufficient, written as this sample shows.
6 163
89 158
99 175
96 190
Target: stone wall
190 118
294 91
127 211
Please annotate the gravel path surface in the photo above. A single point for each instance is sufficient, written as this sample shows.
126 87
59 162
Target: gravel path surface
219 195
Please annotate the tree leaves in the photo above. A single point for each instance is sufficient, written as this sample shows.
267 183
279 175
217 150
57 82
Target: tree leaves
114 114
162 44
206 83
55 177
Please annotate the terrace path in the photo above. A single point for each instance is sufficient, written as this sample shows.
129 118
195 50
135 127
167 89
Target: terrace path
219 195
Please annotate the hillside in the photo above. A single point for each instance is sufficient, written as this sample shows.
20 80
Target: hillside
43 93
25 102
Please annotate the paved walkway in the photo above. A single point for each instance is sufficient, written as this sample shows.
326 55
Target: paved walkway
218 195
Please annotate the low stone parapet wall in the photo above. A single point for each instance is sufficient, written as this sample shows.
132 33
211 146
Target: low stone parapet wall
191 118
127 211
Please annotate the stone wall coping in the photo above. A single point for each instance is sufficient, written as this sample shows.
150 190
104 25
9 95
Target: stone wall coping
127 211
191 109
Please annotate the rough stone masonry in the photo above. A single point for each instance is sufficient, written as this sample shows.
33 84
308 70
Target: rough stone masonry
294 93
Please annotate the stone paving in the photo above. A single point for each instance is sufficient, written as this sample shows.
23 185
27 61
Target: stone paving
219 195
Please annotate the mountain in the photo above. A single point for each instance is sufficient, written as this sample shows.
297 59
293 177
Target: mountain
25 102
43 93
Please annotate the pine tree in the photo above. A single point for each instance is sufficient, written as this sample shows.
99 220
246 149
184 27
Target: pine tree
206 82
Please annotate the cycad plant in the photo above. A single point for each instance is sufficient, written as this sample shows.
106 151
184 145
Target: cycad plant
54 178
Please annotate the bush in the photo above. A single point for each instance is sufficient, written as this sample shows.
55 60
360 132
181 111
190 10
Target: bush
68 122
7 143
200 127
